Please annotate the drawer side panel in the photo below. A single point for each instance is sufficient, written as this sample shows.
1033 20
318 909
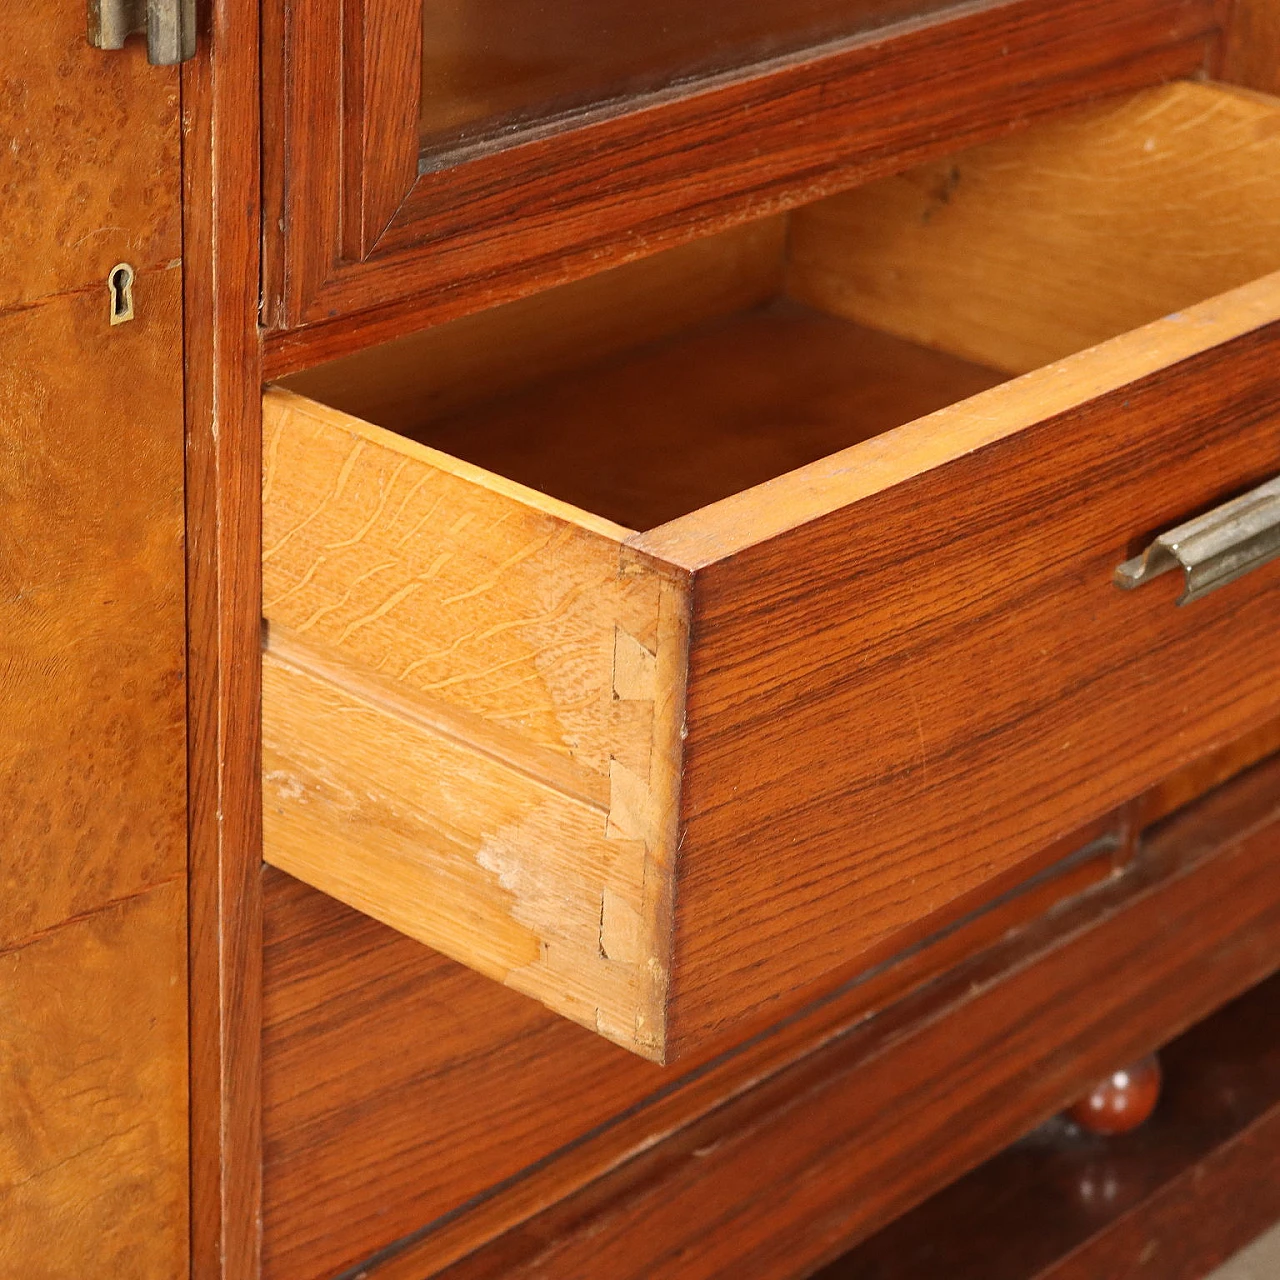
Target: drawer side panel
472 713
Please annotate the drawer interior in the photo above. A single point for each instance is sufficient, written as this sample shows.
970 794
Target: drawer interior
655 389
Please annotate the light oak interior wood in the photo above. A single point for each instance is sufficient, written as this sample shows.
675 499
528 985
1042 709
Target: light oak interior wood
522 659
648 392
1032 248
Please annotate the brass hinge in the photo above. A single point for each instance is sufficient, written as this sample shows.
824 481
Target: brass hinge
170 26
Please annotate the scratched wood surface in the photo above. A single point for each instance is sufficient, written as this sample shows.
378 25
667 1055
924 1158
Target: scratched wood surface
93 1113
516 630
221 238
1025 250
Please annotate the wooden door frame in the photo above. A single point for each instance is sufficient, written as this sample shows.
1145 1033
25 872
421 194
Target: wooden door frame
358 226
223 359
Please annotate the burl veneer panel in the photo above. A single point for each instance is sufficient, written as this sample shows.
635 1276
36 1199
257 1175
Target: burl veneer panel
93 1112
92 647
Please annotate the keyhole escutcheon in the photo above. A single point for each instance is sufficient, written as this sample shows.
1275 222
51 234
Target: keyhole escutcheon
120 289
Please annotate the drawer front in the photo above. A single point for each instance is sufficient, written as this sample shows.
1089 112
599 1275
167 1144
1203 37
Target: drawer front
893 699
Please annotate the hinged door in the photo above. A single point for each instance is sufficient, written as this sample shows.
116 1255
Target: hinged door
93 948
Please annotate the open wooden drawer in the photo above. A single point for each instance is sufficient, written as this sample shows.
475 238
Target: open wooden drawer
854 673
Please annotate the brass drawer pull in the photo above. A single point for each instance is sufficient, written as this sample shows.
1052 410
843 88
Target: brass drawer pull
1216 548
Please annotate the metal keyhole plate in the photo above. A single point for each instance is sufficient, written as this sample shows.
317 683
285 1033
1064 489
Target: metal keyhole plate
120 289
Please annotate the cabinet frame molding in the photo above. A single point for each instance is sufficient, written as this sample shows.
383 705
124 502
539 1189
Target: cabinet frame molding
364 240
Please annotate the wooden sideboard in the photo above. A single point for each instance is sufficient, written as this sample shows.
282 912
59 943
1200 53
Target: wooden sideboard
655 776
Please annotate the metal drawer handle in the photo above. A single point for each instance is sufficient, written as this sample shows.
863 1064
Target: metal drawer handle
1214 549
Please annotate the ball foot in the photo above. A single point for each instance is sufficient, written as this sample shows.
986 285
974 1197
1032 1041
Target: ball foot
1122 1102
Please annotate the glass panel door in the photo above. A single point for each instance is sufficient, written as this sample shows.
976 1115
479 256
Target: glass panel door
491 67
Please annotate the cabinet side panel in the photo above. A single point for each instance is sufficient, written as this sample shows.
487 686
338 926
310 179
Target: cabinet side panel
91 155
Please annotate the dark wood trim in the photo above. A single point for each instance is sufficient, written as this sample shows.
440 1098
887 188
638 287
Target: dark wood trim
275 156
1197 1221
819 1155
381 63
1251 49
505 221
1173 1199
376 981
221 221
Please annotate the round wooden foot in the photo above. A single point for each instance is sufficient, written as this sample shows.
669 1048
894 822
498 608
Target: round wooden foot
1121 1102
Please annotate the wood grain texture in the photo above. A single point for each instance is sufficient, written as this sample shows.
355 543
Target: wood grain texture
93 1096
529 671
402 384
1251 55
437 1143
91 604
382 63
494 70
93 1113
399 1085
623 186
500 1108
780 1180
925 590
382 56
1173 1200
1200 776
712 411
481 861
91 157
221 242
991 685
1025 250
770 510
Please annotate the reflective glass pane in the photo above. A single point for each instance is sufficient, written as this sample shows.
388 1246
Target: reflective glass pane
490 66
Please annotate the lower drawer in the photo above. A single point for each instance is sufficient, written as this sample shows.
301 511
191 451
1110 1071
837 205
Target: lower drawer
687 638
